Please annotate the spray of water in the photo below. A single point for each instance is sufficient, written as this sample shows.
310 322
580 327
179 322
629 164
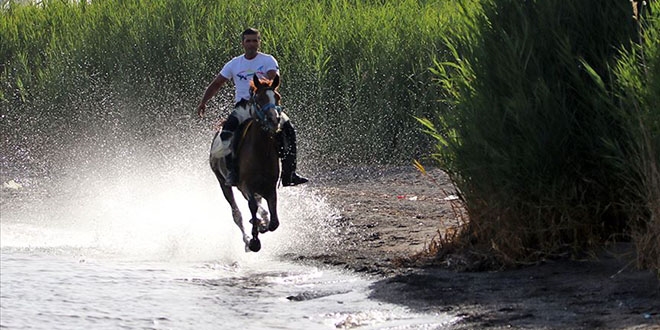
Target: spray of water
133 184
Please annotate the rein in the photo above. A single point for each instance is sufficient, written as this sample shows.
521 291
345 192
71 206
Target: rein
244 133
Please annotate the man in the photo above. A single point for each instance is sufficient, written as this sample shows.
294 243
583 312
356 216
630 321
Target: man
241 69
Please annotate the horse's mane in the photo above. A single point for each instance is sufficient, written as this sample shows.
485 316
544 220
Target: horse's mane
264 81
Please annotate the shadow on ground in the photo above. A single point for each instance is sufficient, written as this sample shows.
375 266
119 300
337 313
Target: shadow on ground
595 294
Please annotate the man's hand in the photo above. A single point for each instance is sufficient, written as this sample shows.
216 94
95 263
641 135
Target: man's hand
210 91
201 108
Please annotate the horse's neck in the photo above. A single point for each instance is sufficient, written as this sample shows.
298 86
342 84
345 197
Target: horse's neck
253 134
258 153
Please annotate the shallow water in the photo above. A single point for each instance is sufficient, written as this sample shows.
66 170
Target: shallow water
41 291
147 251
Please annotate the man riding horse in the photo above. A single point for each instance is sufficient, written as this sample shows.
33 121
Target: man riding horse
241 70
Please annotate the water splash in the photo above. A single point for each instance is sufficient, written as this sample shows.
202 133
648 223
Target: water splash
131 185
125 187
148 215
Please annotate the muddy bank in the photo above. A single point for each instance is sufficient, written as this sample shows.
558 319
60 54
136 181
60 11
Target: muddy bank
389 214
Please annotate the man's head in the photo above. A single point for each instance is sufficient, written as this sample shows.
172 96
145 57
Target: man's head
251 41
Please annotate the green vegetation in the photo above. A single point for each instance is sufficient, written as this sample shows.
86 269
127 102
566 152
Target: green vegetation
550 155
350 68
544 113
637 158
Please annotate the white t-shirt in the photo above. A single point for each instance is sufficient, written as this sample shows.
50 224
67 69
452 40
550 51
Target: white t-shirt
241 71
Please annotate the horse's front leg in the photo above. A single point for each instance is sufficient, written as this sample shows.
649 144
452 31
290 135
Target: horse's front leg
255 244
272 208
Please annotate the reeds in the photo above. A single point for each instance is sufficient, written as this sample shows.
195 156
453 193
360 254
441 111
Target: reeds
638 158
535 135
548 122
354 72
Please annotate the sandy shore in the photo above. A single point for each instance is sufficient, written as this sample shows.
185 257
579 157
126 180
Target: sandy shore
389 214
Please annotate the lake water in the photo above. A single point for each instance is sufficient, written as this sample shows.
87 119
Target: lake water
132 249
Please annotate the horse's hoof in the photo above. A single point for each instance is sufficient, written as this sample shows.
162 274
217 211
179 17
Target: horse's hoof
274 223
255 245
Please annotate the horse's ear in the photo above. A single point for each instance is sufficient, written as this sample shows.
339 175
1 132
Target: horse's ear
255 80
276 81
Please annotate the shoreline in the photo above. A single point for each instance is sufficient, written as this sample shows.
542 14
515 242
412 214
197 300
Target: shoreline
390 214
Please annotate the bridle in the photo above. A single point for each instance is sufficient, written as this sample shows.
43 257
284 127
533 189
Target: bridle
261 110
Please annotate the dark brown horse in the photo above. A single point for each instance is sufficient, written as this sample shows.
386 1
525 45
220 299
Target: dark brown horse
258 162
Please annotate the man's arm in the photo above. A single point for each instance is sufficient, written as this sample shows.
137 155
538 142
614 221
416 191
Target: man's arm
271 74
210 92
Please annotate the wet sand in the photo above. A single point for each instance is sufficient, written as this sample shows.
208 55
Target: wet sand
389 215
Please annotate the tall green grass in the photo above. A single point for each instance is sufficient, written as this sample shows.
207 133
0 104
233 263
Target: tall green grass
354 72
535 135
638 158
547 121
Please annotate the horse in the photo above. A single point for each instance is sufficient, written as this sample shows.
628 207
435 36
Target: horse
258 162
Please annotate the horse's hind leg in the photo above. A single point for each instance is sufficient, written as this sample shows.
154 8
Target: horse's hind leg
263 222
264 218
255 244
235 212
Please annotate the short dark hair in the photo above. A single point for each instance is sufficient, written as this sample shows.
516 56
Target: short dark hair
250 31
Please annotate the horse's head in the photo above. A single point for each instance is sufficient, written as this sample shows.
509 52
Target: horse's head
266 102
